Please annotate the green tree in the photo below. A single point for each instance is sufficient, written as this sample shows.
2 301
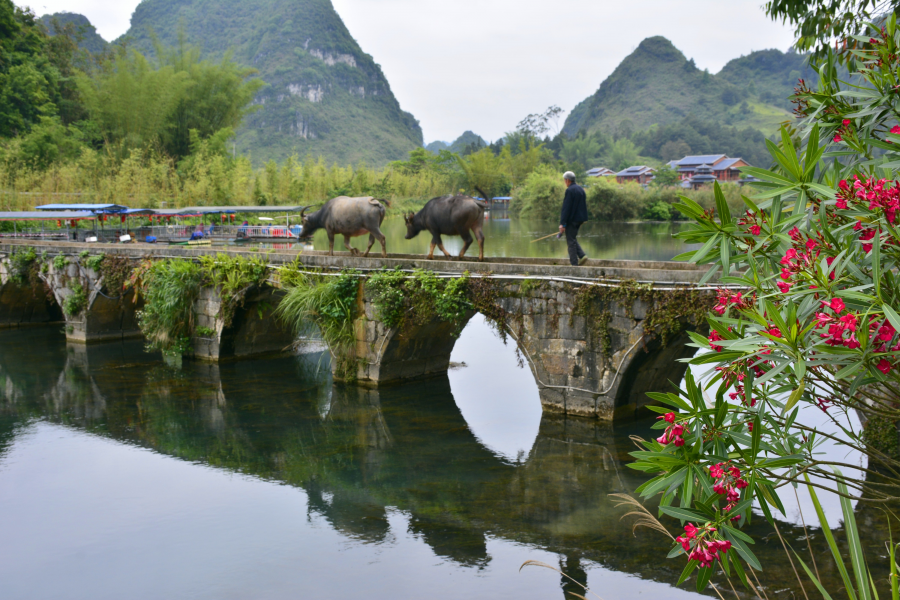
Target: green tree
139 104
622 154
583 150
216 95
674 150
35 73
819 23
666 176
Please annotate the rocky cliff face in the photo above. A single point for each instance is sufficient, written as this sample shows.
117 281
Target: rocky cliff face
325 96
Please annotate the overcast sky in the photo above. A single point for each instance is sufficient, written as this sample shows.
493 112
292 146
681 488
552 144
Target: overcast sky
485 64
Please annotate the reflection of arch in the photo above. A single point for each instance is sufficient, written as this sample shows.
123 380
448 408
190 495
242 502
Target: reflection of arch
651 370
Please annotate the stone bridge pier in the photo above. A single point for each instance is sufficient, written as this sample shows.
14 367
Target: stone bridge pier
595 362
245 327
92 311
61 289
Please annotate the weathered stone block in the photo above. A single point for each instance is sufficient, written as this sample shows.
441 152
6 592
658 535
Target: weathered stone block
572 327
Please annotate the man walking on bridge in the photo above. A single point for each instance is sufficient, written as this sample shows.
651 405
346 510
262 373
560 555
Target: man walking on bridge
574 214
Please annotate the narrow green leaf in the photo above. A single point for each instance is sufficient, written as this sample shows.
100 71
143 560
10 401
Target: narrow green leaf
703 578
682 514
688 569
853 542
892 316
795 397
826 530
721 205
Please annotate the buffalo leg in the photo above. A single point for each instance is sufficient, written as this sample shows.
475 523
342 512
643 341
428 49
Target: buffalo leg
479 235
467 241
330 244
380 237
353 251
371 243
437 241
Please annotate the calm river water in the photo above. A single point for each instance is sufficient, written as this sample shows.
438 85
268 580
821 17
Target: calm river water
121 477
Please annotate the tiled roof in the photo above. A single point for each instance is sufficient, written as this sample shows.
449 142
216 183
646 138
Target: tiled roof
725 164
599 172
634 171
700 159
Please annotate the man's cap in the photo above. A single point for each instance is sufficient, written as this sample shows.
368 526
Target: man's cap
569 175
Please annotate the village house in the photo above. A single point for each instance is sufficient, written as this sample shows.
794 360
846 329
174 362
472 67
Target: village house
688 165
701 169
727 170
600 172
641 174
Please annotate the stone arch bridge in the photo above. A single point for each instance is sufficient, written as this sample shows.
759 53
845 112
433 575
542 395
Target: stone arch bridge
592 354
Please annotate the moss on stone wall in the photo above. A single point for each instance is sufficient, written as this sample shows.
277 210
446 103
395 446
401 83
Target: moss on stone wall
668 312
881 434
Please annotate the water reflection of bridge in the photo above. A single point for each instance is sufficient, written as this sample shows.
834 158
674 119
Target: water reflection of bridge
357 452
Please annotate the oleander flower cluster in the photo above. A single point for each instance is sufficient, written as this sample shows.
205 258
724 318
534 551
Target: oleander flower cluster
674 432
728 483
700 544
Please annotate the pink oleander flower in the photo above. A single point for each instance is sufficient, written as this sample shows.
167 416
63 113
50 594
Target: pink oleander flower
886 332
784 287
755 230
895 129
774 332
715 337
845 122
838 138
836 304
884 366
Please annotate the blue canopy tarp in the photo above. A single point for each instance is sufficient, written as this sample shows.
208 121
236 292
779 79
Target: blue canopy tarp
95 208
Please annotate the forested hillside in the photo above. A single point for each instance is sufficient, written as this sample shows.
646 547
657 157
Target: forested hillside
657 85
88 40
323 96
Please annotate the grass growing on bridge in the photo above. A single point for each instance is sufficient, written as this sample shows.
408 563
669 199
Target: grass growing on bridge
330 303
169 288
401 298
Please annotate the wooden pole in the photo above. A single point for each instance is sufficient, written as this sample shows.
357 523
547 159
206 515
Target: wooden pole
545 237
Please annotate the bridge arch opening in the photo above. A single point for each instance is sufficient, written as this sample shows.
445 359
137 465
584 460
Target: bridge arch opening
31 303
495 391
651 369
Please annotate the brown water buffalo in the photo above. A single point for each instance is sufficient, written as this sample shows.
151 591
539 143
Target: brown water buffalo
450 215
349 217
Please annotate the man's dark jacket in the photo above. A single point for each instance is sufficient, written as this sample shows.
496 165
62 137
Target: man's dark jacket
574 208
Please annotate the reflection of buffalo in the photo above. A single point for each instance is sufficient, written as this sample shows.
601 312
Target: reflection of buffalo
348 217
449 215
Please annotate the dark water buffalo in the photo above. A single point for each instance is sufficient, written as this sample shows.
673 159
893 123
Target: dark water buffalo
450 215
348 217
